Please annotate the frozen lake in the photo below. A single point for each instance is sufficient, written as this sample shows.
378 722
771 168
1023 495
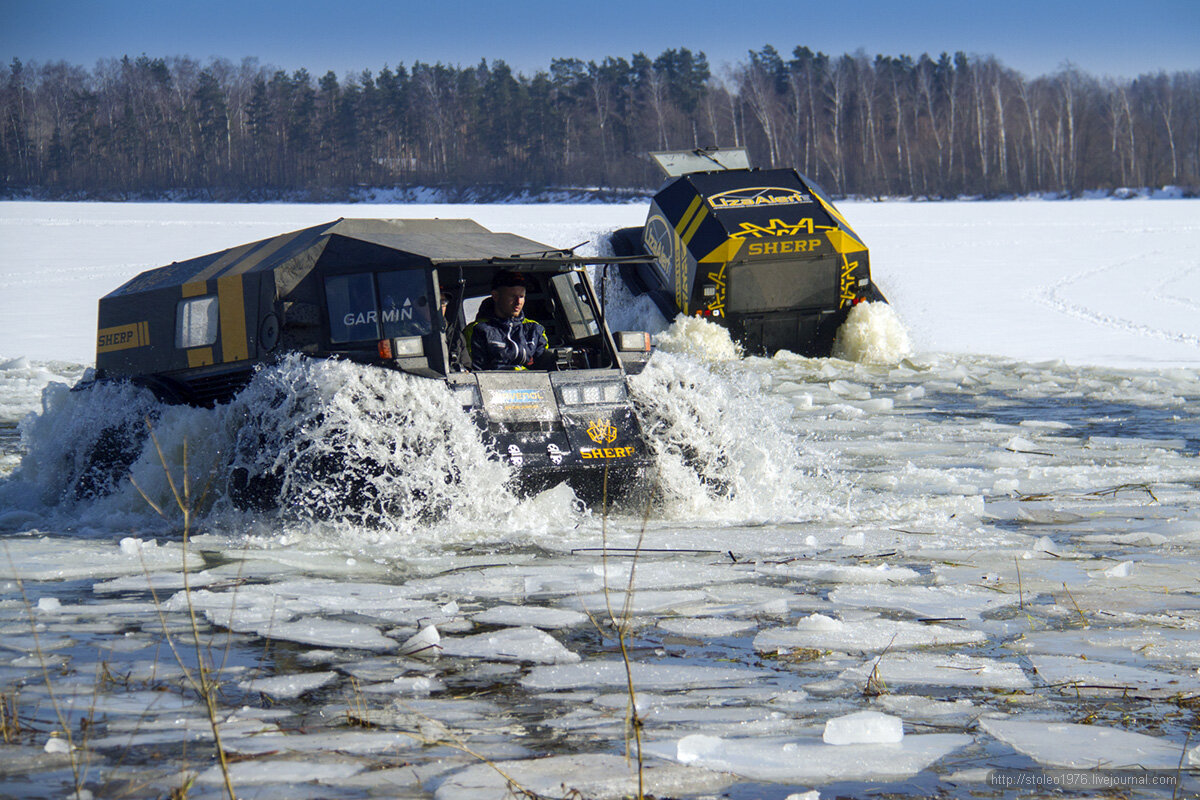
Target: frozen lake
989 543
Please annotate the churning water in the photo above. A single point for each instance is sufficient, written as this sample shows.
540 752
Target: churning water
998 554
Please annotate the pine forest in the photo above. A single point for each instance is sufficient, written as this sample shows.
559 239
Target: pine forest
934 127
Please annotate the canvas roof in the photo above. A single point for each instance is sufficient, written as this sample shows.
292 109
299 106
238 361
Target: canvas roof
437 241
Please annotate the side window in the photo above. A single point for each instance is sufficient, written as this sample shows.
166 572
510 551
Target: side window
572 298
196 322
404 306
353 315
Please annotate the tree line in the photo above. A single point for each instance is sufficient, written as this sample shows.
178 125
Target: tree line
932 127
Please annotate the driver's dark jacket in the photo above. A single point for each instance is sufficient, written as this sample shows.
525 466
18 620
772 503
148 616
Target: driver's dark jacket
511 343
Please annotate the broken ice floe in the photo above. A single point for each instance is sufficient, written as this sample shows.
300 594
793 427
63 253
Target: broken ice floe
1064 744
283 687
1154 644
863 727
664 674
937 602
810 760
957 669
1074 673
528 645
874 634
596 776
534 616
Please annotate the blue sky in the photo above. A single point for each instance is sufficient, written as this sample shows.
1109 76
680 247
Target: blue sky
1122 38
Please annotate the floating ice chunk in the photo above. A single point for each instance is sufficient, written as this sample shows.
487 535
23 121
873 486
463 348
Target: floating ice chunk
926 709
57 744
177 729
18 363
877 405
1063 744
801 401
157 581
646 676
424 642
1047 516
941 602
812 795
642 601
868 635
843 573
707 628
412 684
1005 486
1122 570
1046 545
533 616
526 645
1137 539
325 741
42 559
281 772
940 670
857 539
1072 670
49 605
1117 643
80 699
286 687
600 777
1045 424
329 633
852 391
810 760
863 727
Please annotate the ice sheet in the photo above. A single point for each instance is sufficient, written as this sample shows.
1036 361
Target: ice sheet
1063 744
810 761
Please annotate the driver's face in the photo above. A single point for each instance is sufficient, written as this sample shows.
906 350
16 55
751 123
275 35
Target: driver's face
509 300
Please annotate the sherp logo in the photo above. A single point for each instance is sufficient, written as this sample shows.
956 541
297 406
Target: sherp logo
601 431
758 196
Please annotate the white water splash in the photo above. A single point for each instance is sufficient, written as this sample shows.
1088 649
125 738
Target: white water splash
724 447
699 338
872 334
63 441
331 439
338 442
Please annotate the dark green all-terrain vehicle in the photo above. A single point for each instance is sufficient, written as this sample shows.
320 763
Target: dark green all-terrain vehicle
373 291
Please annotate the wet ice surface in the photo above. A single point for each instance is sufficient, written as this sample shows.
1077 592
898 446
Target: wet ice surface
995 559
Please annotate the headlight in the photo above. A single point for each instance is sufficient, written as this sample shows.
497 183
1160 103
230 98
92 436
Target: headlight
633 341
468 395
576 394
408 346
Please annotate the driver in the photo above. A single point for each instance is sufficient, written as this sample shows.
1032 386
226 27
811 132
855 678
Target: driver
505 339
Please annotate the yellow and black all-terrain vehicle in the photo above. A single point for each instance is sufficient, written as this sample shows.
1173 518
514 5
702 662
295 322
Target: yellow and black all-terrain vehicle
761 251
396 294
